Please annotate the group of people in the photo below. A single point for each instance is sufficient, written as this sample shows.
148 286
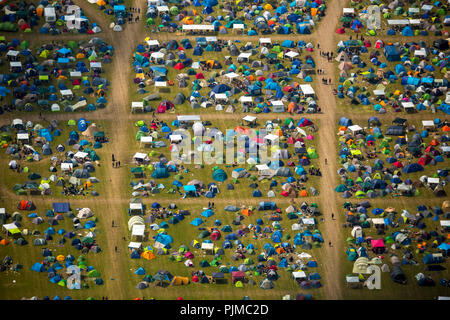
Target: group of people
115 164
327 54
136 18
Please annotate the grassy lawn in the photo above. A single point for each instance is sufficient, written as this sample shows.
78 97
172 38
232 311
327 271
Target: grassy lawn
389 289
204 174
27 283
383 154
36 47
183 233
366 86
11 177
170 92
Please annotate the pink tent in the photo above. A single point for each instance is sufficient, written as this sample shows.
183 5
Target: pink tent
310 137
379 243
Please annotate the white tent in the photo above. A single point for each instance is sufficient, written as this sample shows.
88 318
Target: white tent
85 213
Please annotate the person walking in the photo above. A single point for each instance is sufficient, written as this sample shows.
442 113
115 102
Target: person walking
332 216
329 243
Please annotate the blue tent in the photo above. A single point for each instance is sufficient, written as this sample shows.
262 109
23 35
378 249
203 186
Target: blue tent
165 239
219 175
140 271
160 173
407 32
391 53
288 44
61 207
207 213
39 267
413 167
197 221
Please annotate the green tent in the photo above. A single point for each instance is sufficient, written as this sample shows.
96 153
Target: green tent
93 274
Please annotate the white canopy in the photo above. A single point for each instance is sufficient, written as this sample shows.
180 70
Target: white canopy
188 118
138 230
207 246
307 89
81 155
355 128
206 27
428 123
139 155
249 118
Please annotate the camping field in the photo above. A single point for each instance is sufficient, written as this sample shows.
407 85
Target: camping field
159 227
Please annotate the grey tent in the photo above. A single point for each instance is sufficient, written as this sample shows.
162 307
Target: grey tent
397 275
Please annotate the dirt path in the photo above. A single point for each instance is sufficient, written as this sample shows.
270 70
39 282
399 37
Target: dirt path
327 150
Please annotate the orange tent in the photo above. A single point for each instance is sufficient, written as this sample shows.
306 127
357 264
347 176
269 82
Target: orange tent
4 242
434 142
80 56
303 193
251 77
445 128
314 11
148 255
247 212
101 3
342 128
40 11
280 250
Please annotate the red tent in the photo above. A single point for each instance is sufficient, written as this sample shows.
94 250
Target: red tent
425 159
179 66
340 30
397 164
215 235
237 276
199 75
291 140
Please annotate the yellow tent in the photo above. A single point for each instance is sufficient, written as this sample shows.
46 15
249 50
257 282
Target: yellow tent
179 281
101 3
355 152
268 7
80 56
60 258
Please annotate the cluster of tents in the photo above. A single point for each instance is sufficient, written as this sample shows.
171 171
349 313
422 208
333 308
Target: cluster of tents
115 9
32 142
49 18
397 17
287 139
55 77
211 243
257 77
377 162
60 268
371 72
402 239
44 231
274 17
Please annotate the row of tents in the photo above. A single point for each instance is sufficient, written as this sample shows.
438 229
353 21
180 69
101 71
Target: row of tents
212 244
67 77
378 162
396 240
49 18
266 18
286 139
265 77
70 170
371 72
